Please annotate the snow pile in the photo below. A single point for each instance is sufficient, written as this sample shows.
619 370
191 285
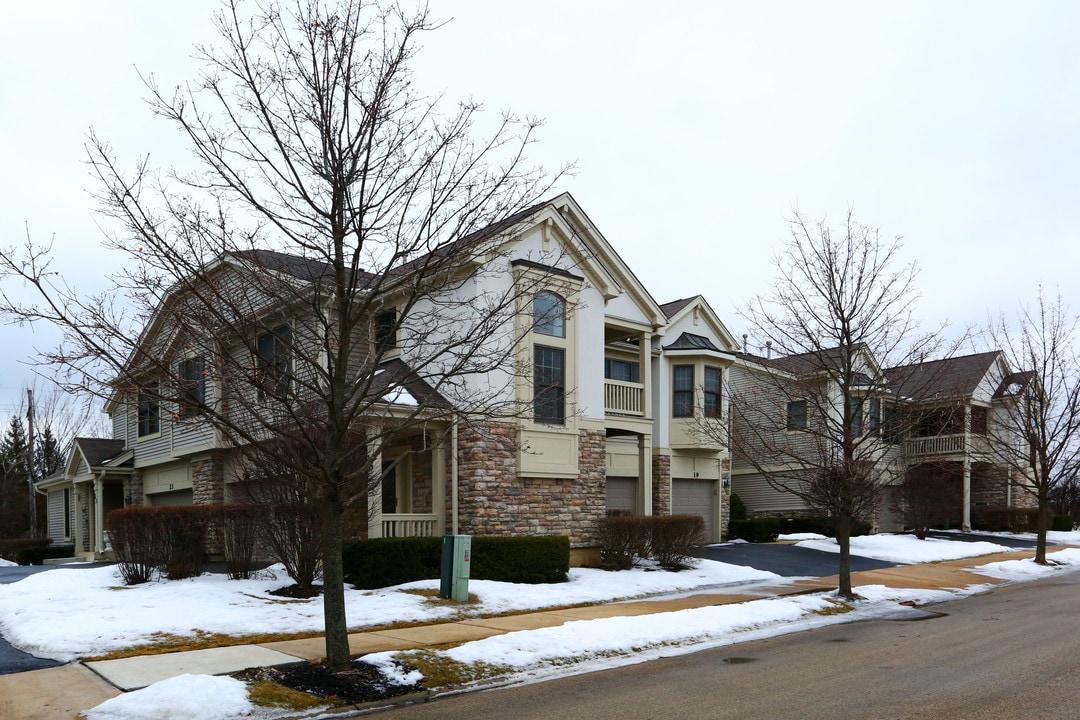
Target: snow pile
186 697
908 548
1021 570
8 563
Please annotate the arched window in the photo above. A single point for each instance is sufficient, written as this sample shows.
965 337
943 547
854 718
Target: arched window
549 314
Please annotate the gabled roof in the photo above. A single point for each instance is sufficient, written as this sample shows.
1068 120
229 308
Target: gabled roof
394 375
1014 384
699 307
948 378
672 308
808 363
98 451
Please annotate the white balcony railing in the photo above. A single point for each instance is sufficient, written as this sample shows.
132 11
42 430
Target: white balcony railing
410 525
624 398
935 445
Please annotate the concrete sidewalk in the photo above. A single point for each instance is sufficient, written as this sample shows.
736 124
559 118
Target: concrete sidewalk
62 692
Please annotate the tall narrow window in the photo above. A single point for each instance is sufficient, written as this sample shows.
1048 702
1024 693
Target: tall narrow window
386 327
191 376
389 488
67 512
274 362
712 397
892 430
873 416
682 399
149 410
549 314
549 384
855 408
797 418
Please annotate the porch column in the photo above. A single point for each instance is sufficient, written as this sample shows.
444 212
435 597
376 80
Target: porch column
644 500
438 483
78 490
374 494
645 361
966 525
98 524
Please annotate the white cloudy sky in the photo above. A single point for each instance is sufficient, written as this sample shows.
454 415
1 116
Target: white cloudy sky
697 127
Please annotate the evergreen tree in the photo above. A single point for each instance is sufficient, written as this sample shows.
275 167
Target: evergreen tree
14 500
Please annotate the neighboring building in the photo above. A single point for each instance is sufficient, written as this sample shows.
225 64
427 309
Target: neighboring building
935 418
613 386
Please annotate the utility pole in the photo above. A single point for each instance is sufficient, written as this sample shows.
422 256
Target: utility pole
30 461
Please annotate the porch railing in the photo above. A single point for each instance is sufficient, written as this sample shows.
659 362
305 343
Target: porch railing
935 445
410 525
624 398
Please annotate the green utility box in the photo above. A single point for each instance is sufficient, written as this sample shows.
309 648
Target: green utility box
456 552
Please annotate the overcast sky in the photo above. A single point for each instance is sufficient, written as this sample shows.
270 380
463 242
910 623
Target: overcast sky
698 129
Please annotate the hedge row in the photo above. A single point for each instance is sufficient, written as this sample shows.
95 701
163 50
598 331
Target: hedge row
380 562
10 546
38 555
671 540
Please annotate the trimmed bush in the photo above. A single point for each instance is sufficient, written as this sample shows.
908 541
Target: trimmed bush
532 560
239 524
736 508
820 524
38 555
10 546
184 529
623 538
380 562
676 540
1005 519
169 539
1063 523
757 530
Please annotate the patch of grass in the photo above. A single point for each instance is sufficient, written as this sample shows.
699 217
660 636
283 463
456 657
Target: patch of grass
441 672
837 607
267 693
431 596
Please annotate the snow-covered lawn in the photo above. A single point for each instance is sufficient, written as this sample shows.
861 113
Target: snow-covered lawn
907 548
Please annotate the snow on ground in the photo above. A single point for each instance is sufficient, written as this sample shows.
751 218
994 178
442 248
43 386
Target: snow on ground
907 548
70 613
7 563
1021 570
801 536
185 697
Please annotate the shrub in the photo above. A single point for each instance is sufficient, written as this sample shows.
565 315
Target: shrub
184 529
239 524
36 555
1000 518
1063 523
820 524
675 540
380 562
623 538
533 560
10 546
736 508
290 524
756 530
138 543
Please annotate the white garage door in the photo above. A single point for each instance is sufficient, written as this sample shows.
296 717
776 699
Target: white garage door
696 497
621 493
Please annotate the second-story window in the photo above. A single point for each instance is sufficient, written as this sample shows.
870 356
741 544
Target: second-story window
980 421
797 416
274 362
386 327
549 384
191 376
549 314
149 410
712 398
682 399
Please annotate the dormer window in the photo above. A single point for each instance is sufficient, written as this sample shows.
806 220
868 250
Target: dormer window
549 314
386 325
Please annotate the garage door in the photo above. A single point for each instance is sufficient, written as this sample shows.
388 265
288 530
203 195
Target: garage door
176 497
696 497
621 493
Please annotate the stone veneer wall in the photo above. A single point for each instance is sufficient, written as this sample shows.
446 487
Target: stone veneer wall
725 497
661 484
422 474
494 500
208 481
133 490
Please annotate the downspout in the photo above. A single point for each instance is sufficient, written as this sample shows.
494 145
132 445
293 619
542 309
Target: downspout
454 475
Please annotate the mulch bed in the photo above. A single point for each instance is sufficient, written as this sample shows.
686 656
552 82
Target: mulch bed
360 683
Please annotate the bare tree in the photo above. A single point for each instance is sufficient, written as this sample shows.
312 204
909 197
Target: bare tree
335 215
817 416
1037 432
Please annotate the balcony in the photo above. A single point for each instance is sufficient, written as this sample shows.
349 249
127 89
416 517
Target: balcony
935 445
410 525
624 398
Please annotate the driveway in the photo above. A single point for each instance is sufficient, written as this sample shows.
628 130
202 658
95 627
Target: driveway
12 660
789 560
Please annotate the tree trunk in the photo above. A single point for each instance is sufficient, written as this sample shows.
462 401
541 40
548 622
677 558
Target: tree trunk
337 631
1042 526
843 539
